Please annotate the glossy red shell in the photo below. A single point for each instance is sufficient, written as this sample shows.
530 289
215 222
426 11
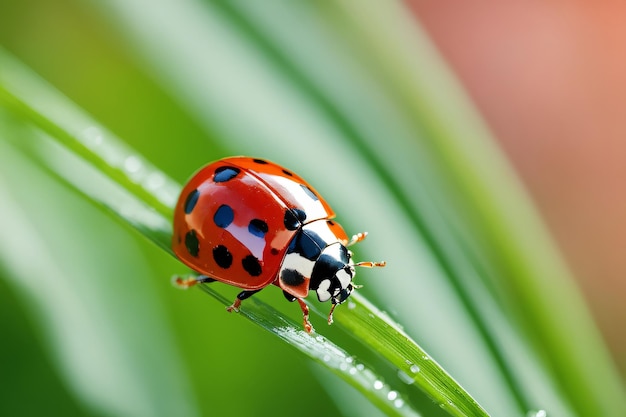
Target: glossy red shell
236 217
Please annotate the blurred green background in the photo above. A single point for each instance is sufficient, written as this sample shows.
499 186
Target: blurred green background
90 322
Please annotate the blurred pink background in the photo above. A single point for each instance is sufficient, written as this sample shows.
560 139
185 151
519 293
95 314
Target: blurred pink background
550 78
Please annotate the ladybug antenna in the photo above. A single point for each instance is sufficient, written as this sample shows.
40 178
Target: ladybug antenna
371 264
356 239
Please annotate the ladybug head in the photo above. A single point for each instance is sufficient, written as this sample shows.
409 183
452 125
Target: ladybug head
334 271
332 275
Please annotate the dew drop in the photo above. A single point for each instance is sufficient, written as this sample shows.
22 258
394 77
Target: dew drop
378 384
155 180
360 366
132 164
392 395
539 413
93 136
398 403
351 305
407 379
414 369
353 371
326 358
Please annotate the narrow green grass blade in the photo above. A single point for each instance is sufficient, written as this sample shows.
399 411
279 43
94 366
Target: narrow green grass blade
365 322
144 198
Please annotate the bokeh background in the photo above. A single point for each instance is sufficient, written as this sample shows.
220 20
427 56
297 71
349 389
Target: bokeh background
547 78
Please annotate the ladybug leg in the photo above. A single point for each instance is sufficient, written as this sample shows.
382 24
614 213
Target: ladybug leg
289 297
240 297
185 283
305 316
204 279
305 310
330 314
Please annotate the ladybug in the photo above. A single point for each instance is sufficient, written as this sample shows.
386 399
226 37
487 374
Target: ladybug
250 223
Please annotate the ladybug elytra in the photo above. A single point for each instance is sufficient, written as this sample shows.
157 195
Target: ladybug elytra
250 223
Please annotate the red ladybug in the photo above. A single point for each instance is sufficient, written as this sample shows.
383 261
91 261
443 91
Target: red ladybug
249 222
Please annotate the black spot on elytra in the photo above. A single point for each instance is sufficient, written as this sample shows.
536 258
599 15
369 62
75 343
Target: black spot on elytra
259 161
251 265
223 216
309 192
291 277
223 174
294 218
191 200
288 173
257 227
191 243
222 256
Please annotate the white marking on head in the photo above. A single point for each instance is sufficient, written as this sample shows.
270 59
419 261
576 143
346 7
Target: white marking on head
344 278
322 290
